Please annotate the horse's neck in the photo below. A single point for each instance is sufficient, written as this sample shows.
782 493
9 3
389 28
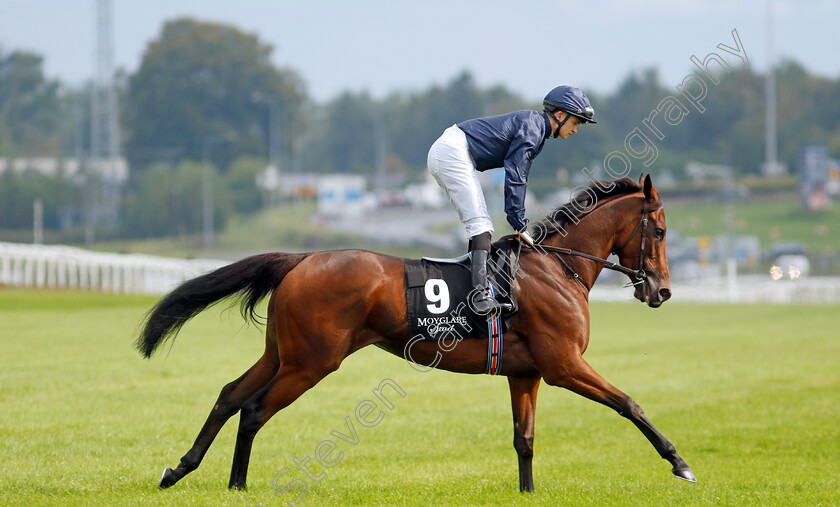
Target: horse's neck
588 236
596 234
597 231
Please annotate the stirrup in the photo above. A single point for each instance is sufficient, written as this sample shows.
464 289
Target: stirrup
503 307
488 304
482 302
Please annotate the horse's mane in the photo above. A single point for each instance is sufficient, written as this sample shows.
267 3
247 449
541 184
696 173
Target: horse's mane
585 200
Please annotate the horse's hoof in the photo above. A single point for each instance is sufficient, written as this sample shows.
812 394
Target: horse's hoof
167 479
685 474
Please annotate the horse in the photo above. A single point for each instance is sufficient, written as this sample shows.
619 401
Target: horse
323 306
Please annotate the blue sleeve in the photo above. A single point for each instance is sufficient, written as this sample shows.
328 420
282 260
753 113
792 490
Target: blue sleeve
517 165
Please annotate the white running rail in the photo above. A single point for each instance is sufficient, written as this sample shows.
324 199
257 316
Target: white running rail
60 267
751 289
48 266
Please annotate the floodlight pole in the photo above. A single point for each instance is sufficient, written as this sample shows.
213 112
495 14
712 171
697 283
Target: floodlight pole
770 153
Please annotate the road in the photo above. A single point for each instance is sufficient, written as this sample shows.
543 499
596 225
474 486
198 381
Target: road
405 226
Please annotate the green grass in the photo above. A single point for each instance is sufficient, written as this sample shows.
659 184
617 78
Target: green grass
771 220
750 396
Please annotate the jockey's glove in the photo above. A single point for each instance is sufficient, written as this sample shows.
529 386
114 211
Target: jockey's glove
526 238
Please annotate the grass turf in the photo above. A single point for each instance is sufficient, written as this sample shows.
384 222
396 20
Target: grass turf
749 395
771 220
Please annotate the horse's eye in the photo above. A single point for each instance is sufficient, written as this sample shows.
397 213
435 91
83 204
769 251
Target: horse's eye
660 233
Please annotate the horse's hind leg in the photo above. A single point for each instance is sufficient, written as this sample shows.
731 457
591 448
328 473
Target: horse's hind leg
289 384
581 378
230 400
523 397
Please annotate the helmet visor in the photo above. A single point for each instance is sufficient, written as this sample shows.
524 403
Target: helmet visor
586 114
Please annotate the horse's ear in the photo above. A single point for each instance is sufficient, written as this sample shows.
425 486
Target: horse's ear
641 178
651 194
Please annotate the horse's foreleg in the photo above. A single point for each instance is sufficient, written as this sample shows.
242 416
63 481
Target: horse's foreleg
579 377
287 386
523 397
230 399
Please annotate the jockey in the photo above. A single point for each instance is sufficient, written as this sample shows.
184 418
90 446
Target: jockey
511 141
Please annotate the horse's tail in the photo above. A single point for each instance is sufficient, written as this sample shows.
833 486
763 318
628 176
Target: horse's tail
250 279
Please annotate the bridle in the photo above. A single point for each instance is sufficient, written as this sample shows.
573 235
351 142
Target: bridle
638 274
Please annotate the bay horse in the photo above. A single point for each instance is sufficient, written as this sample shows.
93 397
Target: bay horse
324 306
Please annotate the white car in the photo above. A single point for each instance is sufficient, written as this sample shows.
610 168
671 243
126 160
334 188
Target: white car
797 261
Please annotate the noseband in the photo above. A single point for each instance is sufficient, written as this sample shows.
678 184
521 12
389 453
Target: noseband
638 274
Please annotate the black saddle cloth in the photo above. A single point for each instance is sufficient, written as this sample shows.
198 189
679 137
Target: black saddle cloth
437 295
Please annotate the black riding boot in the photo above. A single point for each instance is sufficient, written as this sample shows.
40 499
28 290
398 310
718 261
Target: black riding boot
480 299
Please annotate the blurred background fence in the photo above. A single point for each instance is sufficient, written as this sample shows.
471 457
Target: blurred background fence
748 289
74 268
63 267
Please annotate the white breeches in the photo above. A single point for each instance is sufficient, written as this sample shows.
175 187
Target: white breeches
451 165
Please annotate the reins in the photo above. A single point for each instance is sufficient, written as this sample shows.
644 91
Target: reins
638 274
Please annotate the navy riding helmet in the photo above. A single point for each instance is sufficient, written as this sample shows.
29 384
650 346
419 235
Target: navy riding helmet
572 100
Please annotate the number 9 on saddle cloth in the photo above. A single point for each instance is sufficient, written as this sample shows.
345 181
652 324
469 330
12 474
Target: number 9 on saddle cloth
437 295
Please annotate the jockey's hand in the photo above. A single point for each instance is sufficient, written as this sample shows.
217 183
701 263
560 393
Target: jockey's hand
526 238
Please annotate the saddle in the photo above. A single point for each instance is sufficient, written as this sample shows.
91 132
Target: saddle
437 293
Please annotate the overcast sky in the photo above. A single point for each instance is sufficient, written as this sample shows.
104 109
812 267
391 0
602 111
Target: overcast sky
386 45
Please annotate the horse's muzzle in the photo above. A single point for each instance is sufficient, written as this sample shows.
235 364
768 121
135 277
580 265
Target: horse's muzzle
648 293
655 299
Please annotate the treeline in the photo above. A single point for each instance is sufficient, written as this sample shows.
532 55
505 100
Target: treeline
207 92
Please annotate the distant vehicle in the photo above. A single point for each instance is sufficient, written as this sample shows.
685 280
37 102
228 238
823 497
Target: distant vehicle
799 262
683 251
777 250
733 193
684 270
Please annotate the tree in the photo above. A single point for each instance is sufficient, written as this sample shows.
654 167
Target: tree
169 202
29 106
198 79
148 208
351 134
415 121
241 180
18 192
636 96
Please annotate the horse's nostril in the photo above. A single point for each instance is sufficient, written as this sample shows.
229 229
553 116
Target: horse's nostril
665 294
